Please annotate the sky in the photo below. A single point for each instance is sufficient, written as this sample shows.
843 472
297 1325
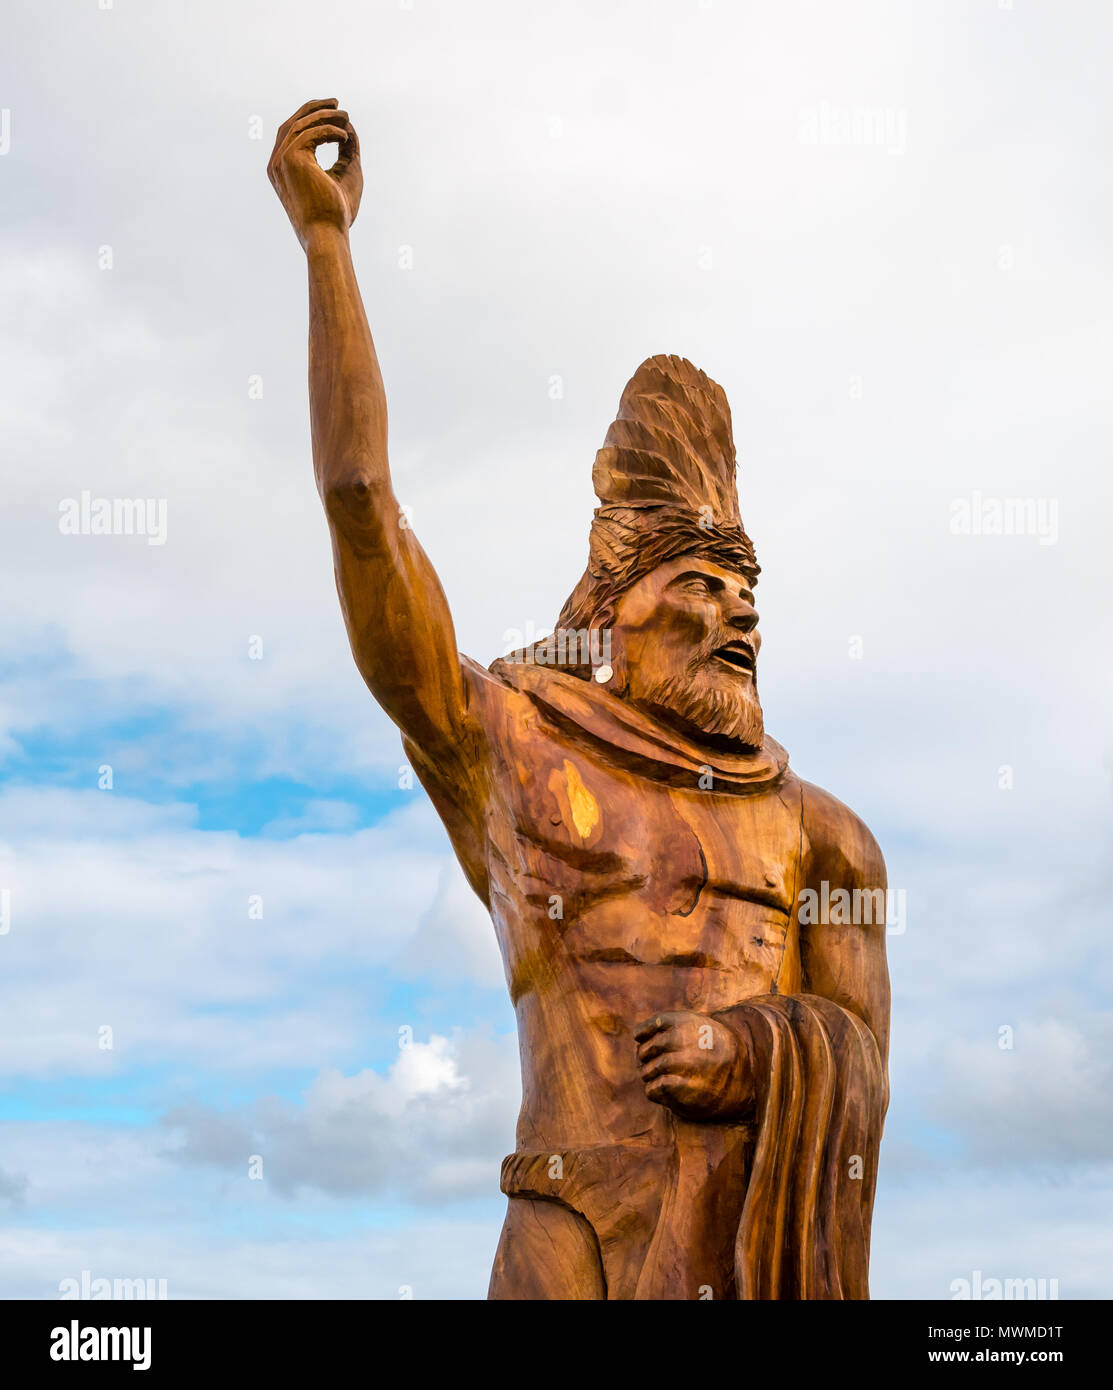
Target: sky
254 1037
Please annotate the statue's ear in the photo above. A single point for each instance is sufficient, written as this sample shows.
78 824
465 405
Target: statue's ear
608 659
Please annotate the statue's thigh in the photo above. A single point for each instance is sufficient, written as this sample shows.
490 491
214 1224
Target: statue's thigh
546 1251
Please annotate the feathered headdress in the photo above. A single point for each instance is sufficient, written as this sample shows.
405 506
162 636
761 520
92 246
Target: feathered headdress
666 479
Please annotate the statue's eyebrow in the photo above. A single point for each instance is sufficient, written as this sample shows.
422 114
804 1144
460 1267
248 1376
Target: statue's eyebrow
712 581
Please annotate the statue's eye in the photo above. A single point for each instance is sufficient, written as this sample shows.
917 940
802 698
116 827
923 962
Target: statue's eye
695 586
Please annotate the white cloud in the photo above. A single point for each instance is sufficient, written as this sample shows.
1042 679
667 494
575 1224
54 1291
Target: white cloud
454 939
434 1127
124 914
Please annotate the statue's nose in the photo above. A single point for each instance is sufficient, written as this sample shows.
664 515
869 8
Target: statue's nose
743 616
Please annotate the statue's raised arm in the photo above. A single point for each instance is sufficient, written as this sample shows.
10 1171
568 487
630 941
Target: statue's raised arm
396 614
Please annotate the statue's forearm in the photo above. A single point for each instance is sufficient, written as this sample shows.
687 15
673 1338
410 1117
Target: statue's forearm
394 609
346 397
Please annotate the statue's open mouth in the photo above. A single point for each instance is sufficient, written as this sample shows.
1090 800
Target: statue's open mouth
736 654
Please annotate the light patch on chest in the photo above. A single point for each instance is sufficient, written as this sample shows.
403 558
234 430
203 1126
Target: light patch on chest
584 807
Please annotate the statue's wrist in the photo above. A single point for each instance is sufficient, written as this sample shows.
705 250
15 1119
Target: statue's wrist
746 1027
324 238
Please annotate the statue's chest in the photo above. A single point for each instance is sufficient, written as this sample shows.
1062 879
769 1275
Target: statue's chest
569 824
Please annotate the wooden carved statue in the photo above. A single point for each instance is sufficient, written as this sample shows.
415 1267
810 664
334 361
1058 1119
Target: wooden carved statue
704 1050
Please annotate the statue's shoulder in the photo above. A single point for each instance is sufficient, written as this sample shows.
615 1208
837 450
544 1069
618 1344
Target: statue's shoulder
837 843
491 697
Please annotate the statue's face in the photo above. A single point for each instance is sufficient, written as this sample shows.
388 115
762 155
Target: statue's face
687 638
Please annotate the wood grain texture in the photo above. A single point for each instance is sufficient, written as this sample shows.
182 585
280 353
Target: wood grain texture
704 1053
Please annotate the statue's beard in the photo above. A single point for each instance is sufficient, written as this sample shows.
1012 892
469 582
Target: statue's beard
723 708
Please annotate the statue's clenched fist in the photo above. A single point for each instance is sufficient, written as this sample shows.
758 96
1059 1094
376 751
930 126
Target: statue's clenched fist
695 1065
314 197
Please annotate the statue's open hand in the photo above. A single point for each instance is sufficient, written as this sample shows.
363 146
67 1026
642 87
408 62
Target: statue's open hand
314 197
693 1064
